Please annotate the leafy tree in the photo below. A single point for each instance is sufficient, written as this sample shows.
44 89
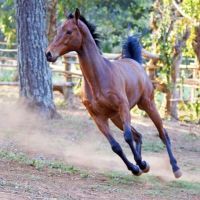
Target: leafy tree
114 19
169 22
7 20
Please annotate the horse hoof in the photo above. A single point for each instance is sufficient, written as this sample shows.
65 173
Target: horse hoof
138 173
178 173
147 168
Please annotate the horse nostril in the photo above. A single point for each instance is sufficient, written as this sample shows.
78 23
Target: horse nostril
48 55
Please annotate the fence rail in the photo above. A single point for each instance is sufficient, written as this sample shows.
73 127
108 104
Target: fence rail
70 61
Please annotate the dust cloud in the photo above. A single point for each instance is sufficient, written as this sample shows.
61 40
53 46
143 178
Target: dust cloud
23 131
73 139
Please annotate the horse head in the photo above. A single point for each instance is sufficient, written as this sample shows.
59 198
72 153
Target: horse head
68 38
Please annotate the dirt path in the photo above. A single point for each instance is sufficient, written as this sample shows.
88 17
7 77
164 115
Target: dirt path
26 143
19 181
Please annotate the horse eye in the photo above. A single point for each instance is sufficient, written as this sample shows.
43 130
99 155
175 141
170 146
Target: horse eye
69 32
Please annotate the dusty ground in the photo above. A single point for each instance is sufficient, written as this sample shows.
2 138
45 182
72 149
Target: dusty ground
69 159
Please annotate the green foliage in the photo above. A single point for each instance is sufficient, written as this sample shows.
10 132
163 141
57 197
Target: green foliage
163 39
191 8
168 28
189 111
113 18
7 20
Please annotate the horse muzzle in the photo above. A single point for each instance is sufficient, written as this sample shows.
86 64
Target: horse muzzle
50 57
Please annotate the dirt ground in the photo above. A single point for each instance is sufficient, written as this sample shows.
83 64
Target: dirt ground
68 158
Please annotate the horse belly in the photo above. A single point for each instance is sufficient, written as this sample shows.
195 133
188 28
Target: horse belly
134 100
142 88
134 91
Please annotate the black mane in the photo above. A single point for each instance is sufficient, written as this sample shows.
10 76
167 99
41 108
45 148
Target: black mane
91 27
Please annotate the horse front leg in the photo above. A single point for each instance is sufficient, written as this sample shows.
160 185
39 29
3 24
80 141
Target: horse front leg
103 126
137 137
128 136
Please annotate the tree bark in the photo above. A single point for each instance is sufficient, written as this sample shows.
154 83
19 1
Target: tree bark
196 45
176 61
34 72
51 20
156 17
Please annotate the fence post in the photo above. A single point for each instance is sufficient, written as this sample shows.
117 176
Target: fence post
68 90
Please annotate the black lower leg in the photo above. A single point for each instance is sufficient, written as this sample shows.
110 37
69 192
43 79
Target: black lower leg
138 140
173 161
118 150
137 156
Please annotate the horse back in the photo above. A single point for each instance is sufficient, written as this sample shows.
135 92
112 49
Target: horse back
136 82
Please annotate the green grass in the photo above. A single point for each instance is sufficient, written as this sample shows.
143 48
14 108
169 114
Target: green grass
193 187
155 187
120 178
7 75
152 146
192 137
116 177
63 167
40 164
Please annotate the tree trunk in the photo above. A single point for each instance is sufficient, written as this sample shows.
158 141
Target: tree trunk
176 61
51 20
156 17
34 72
196 46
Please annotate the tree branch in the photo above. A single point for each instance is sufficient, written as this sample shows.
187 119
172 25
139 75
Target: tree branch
190 19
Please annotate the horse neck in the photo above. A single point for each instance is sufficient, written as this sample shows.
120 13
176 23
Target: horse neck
92 65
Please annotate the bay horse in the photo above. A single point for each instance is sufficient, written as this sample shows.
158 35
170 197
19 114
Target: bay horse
111 89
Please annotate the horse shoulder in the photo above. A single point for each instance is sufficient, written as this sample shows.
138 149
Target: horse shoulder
86 93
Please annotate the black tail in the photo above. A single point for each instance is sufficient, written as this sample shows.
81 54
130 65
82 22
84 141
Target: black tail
132 49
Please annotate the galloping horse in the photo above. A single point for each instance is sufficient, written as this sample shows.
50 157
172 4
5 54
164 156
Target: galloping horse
111 89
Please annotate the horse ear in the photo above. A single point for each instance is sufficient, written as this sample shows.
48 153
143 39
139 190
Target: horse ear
77 15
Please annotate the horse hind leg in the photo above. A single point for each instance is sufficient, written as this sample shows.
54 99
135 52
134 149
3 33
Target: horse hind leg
149 107
137 138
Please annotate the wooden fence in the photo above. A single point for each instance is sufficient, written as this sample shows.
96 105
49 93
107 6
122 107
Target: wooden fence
68 67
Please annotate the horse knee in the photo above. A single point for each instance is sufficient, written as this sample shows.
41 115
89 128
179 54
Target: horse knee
139 140
137 136
128 136
116 147
165 137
